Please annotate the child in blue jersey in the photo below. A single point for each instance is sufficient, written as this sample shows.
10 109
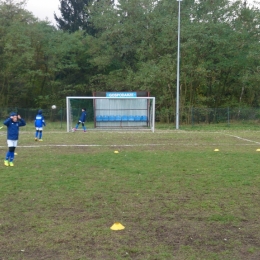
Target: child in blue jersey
39 123
13 123
82 120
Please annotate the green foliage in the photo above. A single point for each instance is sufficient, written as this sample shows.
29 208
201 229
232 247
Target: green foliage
132 45
215 50
75 16
40 63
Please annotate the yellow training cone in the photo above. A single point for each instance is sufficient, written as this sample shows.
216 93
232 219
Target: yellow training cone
216 150
116 152
117 226
15 153
258 150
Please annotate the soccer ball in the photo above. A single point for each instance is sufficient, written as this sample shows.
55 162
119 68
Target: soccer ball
53 107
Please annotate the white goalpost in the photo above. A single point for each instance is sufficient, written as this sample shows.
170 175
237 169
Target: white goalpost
112 113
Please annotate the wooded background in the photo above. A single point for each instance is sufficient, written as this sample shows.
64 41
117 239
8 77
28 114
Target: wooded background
130 45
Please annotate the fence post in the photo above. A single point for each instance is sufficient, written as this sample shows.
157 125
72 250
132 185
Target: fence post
61 118
192 121
228 115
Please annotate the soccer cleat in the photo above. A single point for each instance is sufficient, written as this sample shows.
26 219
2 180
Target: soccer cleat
11 164
40 140
35 139
85 131
6 162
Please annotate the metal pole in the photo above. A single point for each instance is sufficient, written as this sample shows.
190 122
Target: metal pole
228 115
178 68
192 119
61 117
153 115
67 111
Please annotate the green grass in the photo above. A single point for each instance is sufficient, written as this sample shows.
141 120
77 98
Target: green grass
176 197
236 125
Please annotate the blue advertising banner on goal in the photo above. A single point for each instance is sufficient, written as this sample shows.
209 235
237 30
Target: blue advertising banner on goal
121 94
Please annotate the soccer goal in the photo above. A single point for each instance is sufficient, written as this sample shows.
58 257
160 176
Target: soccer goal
113 113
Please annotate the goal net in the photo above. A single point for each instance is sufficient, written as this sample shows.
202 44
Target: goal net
112 113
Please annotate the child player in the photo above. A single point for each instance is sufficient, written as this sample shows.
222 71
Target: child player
13 123
39 123
82 120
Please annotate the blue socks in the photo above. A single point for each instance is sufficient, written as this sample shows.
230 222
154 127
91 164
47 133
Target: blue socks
83 127
40 134
9 155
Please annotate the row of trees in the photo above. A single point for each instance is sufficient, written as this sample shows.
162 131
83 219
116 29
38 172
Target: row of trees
131 45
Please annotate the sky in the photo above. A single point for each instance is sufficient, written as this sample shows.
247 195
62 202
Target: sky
43 9
46 8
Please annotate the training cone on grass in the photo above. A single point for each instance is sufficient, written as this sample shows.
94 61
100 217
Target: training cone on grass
15 153
116 152
216 150
117 226
258 150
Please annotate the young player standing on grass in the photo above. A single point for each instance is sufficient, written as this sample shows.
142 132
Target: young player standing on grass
39 123
82 120
13 123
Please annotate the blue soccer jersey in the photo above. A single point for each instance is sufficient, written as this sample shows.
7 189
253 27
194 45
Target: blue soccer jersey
39 120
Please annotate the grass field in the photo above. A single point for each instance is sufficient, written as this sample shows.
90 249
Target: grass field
177 197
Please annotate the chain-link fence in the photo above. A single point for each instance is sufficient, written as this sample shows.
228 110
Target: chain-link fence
50 115
53 115
188 115
195 115
224 115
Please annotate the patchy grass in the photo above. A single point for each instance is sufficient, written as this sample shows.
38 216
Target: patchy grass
176 197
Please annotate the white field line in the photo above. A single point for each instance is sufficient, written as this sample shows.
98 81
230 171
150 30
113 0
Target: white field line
243 139
89 145
127 145
86 145
92 131
139 145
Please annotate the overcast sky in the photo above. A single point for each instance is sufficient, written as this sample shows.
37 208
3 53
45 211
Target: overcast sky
46 8
43 9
